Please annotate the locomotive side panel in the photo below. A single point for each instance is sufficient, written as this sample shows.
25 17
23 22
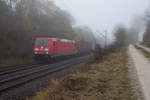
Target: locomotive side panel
64 48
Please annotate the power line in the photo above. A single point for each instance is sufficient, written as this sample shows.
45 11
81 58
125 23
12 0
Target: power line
104 36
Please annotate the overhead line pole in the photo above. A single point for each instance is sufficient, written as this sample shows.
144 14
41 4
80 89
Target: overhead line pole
105 39
104 36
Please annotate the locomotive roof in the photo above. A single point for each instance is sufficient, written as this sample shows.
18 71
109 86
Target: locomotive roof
64 40
57 39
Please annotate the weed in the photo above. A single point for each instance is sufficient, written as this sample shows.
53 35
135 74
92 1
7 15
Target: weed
106 80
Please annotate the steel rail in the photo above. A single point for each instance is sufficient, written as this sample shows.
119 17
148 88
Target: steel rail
22 79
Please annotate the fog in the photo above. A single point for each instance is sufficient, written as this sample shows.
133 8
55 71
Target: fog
104 14
22 21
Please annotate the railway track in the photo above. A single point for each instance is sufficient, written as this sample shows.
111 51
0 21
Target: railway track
13 69
17 77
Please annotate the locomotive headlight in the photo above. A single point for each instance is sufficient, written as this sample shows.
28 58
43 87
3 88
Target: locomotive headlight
36 52
36 49
46 49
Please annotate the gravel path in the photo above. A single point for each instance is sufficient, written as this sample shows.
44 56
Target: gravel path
29 89
142 66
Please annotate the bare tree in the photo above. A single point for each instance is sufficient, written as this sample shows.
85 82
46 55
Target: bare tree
146 37
120 36
21 21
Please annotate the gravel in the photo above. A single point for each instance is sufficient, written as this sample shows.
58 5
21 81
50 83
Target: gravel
141 70
29 89
135 84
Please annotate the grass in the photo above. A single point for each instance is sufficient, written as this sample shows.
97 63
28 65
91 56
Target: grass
147 44
106 80
145 53
15 61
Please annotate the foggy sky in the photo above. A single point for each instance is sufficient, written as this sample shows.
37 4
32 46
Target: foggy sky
103 14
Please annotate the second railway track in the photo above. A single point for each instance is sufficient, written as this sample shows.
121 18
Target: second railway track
8 70
17 78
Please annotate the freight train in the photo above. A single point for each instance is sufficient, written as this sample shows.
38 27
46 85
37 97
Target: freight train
55 47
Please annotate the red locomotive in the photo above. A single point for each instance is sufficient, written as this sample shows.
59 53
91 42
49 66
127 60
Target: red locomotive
54 47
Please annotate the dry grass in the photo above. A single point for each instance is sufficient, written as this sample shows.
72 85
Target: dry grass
107 80
145 53
147 44
15 62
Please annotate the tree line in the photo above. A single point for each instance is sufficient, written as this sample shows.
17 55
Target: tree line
125 36
146 37
21 21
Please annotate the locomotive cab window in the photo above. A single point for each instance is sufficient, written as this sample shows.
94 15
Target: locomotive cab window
42 42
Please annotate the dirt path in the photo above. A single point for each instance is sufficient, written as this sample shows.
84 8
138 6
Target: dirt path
142 66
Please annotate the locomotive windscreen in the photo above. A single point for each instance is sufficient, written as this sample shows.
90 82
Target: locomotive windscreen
42 42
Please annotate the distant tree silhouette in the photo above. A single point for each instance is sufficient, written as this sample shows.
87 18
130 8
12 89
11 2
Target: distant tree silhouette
21 21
